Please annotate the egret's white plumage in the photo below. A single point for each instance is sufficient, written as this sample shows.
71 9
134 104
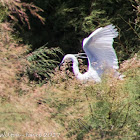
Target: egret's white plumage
100 53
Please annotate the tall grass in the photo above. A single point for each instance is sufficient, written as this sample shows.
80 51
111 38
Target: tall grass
16 9
20 112
109 110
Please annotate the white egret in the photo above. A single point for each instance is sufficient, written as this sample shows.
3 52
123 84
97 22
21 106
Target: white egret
101 55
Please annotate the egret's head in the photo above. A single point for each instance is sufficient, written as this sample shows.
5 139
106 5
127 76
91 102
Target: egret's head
68 58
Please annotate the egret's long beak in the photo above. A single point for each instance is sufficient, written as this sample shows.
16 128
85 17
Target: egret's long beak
61 64
80 55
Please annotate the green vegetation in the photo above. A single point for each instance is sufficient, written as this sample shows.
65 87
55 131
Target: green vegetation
42 63
109 110
69 22
36 99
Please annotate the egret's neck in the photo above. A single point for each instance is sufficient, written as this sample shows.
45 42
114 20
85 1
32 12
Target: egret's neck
90 74
75 66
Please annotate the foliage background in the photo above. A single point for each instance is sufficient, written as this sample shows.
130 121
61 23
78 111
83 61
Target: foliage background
69 22
65 24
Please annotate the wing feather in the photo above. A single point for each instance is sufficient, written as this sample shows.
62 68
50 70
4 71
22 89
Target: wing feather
99 50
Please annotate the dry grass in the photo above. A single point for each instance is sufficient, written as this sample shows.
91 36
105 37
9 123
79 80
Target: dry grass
20 110
17 9
131 63
5 35
75 103
56 107
63 105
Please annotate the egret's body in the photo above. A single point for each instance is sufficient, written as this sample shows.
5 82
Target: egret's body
100 53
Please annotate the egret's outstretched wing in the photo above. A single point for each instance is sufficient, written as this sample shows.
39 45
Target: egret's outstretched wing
99 50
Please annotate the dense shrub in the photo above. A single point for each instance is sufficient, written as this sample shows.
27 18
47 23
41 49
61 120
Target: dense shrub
42 63
68 22
108 110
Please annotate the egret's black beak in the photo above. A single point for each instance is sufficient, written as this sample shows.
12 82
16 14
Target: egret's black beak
61 64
